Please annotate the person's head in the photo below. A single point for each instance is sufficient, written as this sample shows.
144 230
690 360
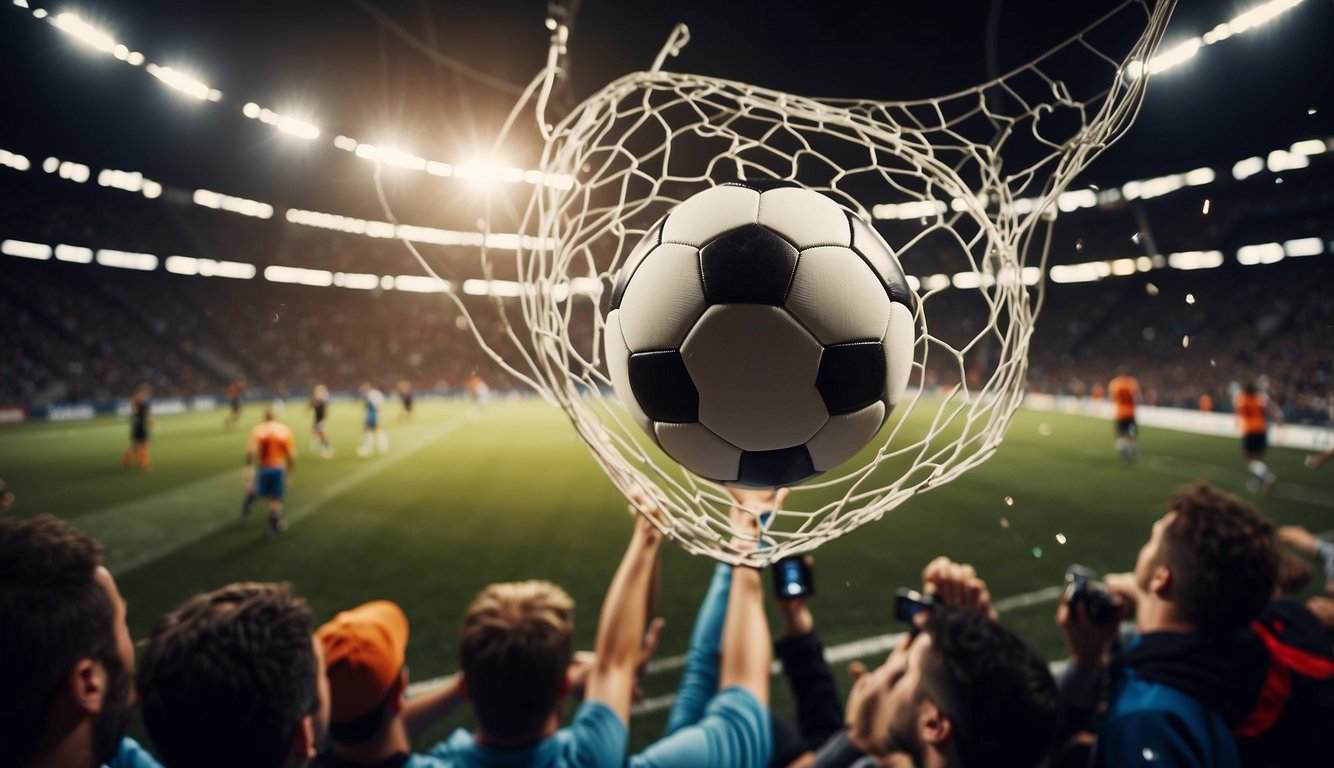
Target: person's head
268 413
365 387
1294 574
321 392
1212 558
514 650
66 660
963 688
1250 388
143 392
235 677
364 651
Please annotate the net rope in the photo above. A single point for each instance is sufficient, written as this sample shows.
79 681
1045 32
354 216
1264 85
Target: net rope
965 185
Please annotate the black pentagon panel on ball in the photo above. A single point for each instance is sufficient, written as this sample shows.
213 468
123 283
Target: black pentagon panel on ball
650 241
663 388
774 469
762 185
852 376
870 246
748 265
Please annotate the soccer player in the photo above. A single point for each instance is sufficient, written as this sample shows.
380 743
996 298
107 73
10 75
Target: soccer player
1125 393
319 439
140 421
372 436
274 446
234 392
1252 406
405 394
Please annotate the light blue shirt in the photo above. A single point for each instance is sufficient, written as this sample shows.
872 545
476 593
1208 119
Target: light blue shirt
132 755
596 737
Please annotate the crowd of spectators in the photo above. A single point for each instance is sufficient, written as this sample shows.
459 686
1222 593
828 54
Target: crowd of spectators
91 333
1172 664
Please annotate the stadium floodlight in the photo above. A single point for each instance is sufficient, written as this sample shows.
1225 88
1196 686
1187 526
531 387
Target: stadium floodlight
191 86
21 3
1261 14
14 160
1310 147
26 250
1264 253
210 199
487 172
420 284
909 211
188 265
76 172
390 156
1087 272
135 59
1282 160
1195 260
345 143
356 280
74 254
276 273
1076 199
145 262
284 123
1199 177
1244 169
1306 246
74 26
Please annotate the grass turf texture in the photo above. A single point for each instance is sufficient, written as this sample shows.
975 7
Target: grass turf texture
462 500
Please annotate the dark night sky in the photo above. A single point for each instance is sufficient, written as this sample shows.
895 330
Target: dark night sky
337 61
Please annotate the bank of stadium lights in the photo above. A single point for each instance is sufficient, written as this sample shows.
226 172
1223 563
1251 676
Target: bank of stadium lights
67 169
285 123
477 171
25 250
1187 49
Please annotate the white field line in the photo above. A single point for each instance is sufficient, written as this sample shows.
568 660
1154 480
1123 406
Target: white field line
139 532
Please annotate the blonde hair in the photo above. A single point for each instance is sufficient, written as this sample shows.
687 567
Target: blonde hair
514 648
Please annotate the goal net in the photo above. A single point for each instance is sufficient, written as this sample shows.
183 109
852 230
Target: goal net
964 188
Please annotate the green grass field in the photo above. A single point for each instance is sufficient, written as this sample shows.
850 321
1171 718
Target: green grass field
462 501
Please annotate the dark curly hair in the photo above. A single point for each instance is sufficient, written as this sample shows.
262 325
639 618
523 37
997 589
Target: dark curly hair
228 677
1224 558
996 690
52 615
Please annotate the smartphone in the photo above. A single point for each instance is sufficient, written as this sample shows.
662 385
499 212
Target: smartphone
908 603
793 578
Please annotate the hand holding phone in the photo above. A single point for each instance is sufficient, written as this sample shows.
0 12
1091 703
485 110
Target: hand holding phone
909 603
793 578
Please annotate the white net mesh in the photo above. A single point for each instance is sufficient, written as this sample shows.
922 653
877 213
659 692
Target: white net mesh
962 187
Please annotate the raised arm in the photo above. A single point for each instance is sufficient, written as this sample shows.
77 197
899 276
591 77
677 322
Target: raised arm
624 614
747 646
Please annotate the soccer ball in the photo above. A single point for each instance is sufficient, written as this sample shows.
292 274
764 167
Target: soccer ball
760 336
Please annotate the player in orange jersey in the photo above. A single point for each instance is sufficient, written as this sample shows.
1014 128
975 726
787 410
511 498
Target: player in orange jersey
140 422
1252 406
1124 390
273 445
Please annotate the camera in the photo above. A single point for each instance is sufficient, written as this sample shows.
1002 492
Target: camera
908 603
1082 586
793 578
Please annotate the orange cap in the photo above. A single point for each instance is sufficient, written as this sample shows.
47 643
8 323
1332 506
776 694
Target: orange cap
364 650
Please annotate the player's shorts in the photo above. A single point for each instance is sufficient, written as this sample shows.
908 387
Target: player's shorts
407 403
1255 442
271 482
139 433
236 405
1127 427
319 425
372 421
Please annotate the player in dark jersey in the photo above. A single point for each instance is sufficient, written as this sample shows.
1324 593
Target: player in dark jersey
405 394
141 419
235 391
319 405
